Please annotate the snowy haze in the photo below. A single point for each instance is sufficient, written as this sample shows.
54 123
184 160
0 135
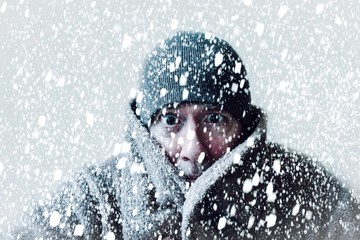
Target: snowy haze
67 67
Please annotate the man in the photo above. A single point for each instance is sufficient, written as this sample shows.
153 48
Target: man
196 165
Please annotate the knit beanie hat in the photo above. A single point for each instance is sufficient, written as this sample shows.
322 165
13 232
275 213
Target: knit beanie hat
193 67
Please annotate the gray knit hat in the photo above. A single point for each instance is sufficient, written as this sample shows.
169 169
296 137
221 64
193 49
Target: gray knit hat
193 67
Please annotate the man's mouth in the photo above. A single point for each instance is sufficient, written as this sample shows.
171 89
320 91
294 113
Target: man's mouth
189 170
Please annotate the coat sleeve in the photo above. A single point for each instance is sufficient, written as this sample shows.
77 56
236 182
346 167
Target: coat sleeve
334 210
85 208
344 221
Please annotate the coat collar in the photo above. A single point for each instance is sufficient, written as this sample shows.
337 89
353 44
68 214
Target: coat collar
199 188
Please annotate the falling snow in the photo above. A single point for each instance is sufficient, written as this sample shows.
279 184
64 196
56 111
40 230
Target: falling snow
1 167
296 209
260 29
277 166
57 175
121 163
89 118
79 230
3 7
185 94
247 2
319 8
42 121
218 59
270 220
222 223
183 80
282 11
247 187
237 159
69 68
110 236
55 219
126 41
237 67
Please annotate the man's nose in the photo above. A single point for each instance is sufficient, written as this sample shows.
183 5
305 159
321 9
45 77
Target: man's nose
193 148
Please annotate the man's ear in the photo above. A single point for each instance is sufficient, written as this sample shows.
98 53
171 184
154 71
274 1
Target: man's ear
153 119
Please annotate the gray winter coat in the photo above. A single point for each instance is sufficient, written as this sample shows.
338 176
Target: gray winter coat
257 191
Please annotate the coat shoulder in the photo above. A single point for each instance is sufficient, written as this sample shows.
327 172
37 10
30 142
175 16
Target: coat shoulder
77 207
280 193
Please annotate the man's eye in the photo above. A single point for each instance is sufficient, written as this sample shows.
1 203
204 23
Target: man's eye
169 119
215 118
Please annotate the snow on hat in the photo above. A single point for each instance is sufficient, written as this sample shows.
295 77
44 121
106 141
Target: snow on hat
193 67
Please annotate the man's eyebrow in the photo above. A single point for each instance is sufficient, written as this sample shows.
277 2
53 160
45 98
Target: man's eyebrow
167 109
161 113
212 107
164 111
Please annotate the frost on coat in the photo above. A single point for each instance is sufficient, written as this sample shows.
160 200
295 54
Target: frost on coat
257 191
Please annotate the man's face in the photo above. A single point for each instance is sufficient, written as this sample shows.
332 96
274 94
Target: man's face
194 136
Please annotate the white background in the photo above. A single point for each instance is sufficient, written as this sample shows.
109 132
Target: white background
67 67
